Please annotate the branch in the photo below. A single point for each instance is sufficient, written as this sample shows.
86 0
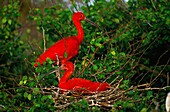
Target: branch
44 39
153 71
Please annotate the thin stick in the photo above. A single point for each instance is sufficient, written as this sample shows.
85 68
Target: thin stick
168 79
44 39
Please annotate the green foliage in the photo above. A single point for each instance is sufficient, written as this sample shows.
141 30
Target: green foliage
27 96
54 21
12 49
81 106
130 42
46 74
11 45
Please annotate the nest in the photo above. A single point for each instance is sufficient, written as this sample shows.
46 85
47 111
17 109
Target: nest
101 99
105 99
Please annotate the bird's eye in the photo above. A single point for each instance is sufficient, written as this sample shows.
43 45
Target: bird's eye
81 16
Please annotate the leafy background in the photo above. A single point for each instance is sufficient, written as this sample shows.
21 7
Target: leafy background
130 43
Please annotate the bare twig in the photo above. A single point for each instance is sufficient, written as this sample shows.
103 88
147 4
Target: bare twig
44 39
168 79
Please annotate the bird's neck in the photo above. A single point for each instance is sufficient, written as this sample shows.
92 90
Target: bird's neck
66 76
80 33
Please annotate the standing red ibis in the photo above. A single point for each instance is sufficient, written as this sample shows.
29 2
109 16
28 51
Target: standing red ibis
79 84
69 45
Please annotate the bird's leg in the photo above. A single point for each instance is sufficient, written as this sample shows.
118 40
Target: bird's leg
57 61
58 74
58 69
57 58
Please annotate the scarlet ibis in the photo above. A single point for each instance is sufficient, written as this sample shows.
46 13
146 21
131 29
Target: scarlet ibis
79 84
69 45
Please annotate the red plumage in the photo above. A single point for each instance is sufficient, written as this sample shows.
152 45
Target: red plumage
69 45
79 84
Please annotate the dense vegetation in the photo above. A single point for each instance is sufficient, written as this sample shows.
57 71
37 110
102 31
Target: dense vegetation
128 47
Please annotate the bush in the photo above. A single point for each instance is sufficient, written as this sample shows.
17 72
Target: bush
128 48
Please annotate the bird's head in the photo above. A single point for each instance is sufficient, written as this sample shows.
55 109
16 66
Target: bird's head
68 66
78 16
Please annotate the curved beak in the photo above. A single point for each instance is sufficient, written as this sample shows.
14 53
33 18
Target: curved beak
92 23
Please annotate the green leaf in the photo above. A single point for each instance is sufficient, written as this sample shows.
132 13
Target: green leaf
49 96
35 90
30 78
37 105
24 78
21 82
113 53
98 44
95 67
49 60
25 81
65 55
92 48
25 94
9 21
122 54
43 98
144 110
130 92
29 96
4 20
116 20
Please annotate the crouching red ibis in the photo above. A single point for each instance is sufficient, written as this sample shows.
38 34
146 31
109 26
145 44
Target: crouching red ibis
79 84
